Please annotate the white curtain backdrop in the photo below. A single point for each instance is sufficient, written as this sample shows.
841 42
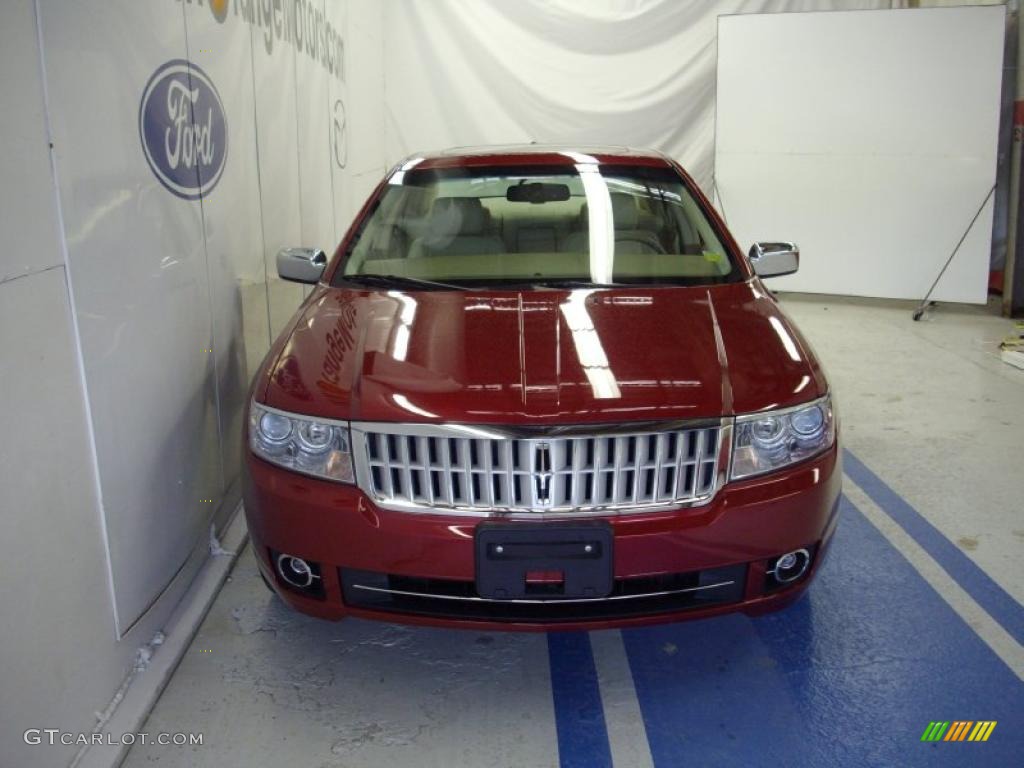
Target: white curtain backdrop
633 72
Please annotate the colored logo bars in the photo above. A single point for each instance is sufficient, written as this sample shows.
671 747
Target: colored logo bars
958 730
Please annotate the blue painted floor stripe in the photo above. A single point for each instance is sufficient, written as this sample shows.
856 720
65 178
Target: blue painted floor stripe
579 715
848 676
999 604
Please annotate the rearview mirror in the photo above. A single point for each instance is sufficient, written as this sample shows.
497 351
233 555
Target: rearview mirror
537 192
301 265
774 259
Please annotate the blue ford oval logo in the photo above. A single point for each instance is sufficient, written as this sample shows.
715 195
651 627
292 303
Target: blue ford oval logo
182 128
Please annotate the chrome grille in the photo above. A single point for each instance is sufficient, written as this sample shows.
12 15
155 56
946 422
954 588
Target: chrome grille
479 470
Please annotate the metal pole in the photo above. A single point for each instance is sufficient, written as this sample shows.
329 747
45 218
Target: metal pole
924 302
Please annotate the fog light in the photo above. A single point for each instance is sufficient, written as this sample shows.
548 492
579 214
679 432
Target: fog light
297 572
790 566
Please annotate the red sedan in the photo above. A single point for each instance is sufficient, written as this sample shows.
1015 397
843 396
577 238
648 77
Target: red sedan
539 387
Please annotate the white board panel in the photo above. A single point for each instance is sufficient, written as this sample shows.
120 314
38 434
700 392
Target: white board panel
339 107
28 220
869 138
276 110
137 267
357 106
231 224
313 74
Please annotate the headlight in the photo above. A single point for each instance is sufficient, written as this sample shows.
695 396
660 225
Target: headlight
314 447
766 441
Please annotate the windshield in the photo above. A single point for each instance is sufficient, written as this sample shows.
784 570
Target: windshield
503 225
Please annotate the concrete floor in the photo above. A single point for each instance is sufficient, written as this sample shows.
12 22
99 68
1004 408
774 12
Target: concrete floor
916 617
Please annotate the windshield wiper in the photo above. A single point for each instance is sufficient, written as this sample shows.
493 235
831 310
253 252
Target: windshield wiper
574 283
417 282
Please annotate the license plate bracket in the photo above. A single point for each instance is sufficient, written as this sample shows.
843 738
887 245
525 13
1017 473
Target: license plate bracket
550 561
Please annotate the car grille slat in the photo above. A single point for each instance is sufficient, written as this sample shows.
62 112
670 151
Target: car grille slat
406 467
426 484
416 467
446 484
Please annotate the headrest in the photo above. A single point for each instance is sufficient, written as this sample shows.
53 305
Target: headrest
624 211
457 216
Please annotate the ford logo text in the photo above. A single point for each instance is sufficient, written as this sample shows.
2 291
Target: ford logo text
183 130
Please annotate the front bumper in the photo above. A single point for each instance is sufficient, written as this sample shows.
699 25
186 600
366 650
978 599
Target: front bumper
736 535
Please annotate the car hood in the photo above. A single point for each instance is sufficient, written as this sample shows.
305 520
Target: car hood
541 357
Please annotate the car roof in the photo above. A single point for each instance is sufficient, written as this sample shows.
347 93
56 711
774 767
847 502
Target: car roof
536 154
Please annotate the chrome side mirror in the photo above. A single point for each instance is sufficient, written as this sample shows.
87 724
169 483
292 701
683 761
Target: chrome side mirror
301 265
774 259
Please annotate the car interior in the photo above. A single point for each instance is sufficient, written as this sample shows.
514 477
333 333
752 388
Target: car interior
510 229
